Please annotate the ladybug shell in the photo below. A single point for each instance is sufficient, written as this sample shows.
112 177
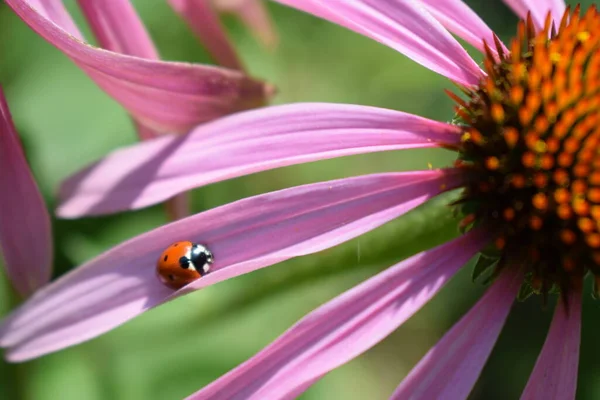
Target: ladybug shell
175 267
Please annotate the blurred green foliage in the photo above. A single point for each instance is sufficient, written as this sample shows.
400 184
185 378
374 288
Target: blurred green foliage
67 122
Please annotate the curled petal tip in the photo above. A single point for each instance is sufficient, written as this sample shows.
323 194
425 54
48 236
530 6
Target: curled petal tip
165 96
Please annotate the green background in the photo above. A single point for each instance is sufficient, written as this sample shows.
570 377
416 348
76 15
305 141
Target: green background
66 122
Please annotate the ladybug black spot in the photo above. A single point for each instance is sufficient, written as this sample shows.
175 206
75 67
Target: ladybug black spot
165 259
172 277
184 262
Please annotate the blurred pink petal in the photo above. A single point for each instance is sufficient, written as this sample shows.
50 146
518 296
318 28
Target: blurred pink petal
150 172
460 19
557 8
25 233
202 19
118 28
450 369
254 14
178 207
345 327
145 133
403 25
539 9
165 96
554 376
244 236
54 11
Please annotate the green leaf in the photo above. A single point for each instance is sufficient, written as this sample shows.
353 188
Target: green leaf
595 290
483 264
525 291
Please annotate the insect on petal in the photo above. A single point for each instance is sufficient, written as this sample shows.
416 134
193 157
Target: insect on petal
243 236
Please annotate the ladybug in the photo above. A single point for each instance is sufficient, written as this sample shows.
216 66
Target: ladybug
182 263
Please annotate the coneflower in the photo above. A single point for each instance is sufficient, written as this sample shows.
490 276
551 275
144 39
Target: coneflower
525 135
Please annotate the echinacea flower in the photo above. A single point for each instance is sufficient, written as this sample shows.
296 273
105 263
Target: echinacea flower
525 135
25 234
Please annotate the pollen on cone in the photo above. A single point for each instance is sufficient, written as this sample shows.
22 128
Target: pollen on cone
536 150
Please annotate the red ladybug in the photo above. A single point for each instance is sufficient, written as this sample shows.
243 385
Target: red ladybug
182 263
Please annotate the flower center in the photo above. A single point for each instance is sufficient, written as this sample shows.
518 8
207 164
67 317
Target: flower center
530 151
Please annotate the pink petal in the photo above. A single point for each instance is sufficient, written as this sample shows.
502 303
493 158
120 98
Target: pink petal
201 17
118 28
450 369
244 236
539 9
403 25
557 8
164 96
345 327
273 137
145 133
554 376
25 234
254 15
460 19
54 11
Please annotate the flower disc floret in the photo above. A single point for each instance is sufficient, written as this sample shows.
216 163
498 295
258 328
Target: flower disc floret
530 151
